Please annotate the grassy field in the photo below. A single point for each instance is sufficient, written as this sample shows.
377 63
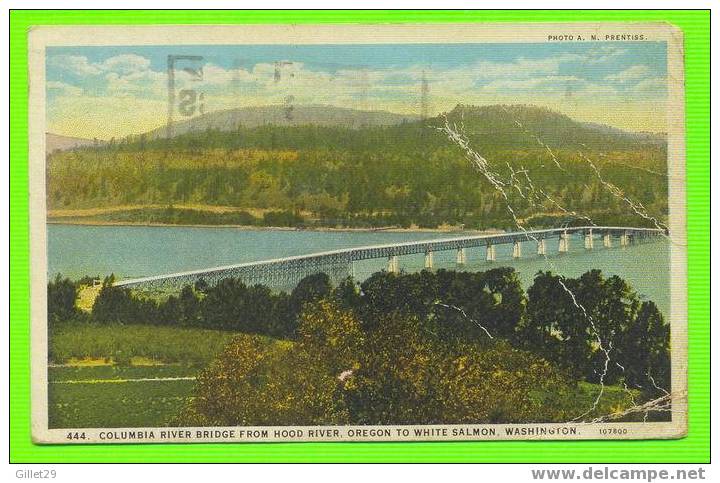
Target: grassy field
113 397
140 376
126 376
150 396
124 344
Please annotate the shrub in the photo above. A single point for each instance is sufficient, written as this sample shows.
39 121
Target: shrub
253 383
338 373
283 218
408 375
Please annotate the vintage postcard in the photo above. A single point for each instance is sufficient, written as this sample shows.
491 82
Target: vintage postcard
357 232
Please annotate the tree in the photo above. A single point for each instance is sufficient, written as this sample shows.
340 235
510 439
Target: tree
332 334
472 303
508 308
384 293
61 297
347 294
311 288
189 305
455 305
232 305
644 351
548 303
580 323
170 312
117 305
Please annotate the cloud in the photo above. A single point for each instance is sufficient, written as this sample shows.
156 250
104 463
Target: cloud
81 66
61 88
125 64
550 83
630 74
142 83
77 64
129 82
648 88
131 74
523 67
603 54
300 80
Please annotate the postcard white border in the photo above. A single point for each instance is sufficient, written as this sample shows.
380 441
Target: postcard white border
42 37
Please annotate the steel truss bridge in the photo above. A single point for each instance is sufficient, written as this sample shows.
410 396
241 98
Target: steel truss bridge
338 264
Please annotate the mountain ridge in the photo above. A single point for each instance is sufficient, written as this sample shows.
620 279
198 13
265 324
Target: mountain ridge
501 125
284 115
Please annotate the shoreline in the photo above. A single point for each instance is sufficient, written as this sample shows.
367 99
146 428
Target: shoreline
271 228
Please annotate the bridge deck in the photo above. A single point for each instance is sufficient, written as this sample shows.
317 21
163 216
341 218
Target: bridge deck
331 260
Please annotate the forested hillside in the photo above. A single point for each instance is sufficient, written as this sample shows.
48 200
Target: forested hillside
392 175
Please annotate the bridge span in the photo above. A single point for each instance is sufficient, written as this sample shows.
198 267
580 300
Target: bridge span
338 264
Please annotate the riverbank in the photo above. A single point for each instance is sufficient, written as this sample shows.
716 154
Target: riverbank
104 210
388 229
205 216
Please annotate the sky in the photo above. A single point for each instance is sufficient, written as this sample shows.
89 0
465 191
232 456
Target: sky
105 92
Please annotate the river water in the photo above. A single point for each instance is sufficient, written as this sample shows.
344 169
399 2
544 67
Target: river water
137 251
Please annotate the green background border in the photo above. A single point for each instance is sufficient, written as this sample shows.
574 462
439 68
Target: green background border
694 448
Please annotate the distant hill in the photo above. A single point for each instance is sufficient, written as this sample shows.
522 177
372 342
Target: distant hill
496 126
279 115
644 137
488 127
56 142
508 126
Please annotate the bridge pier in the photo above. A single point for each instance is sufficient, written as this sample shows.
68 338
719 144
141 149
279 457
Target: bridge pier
589 243
517 249
607 240
541 250
393 264
624 239
429 260
564 245
490 255
461 258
